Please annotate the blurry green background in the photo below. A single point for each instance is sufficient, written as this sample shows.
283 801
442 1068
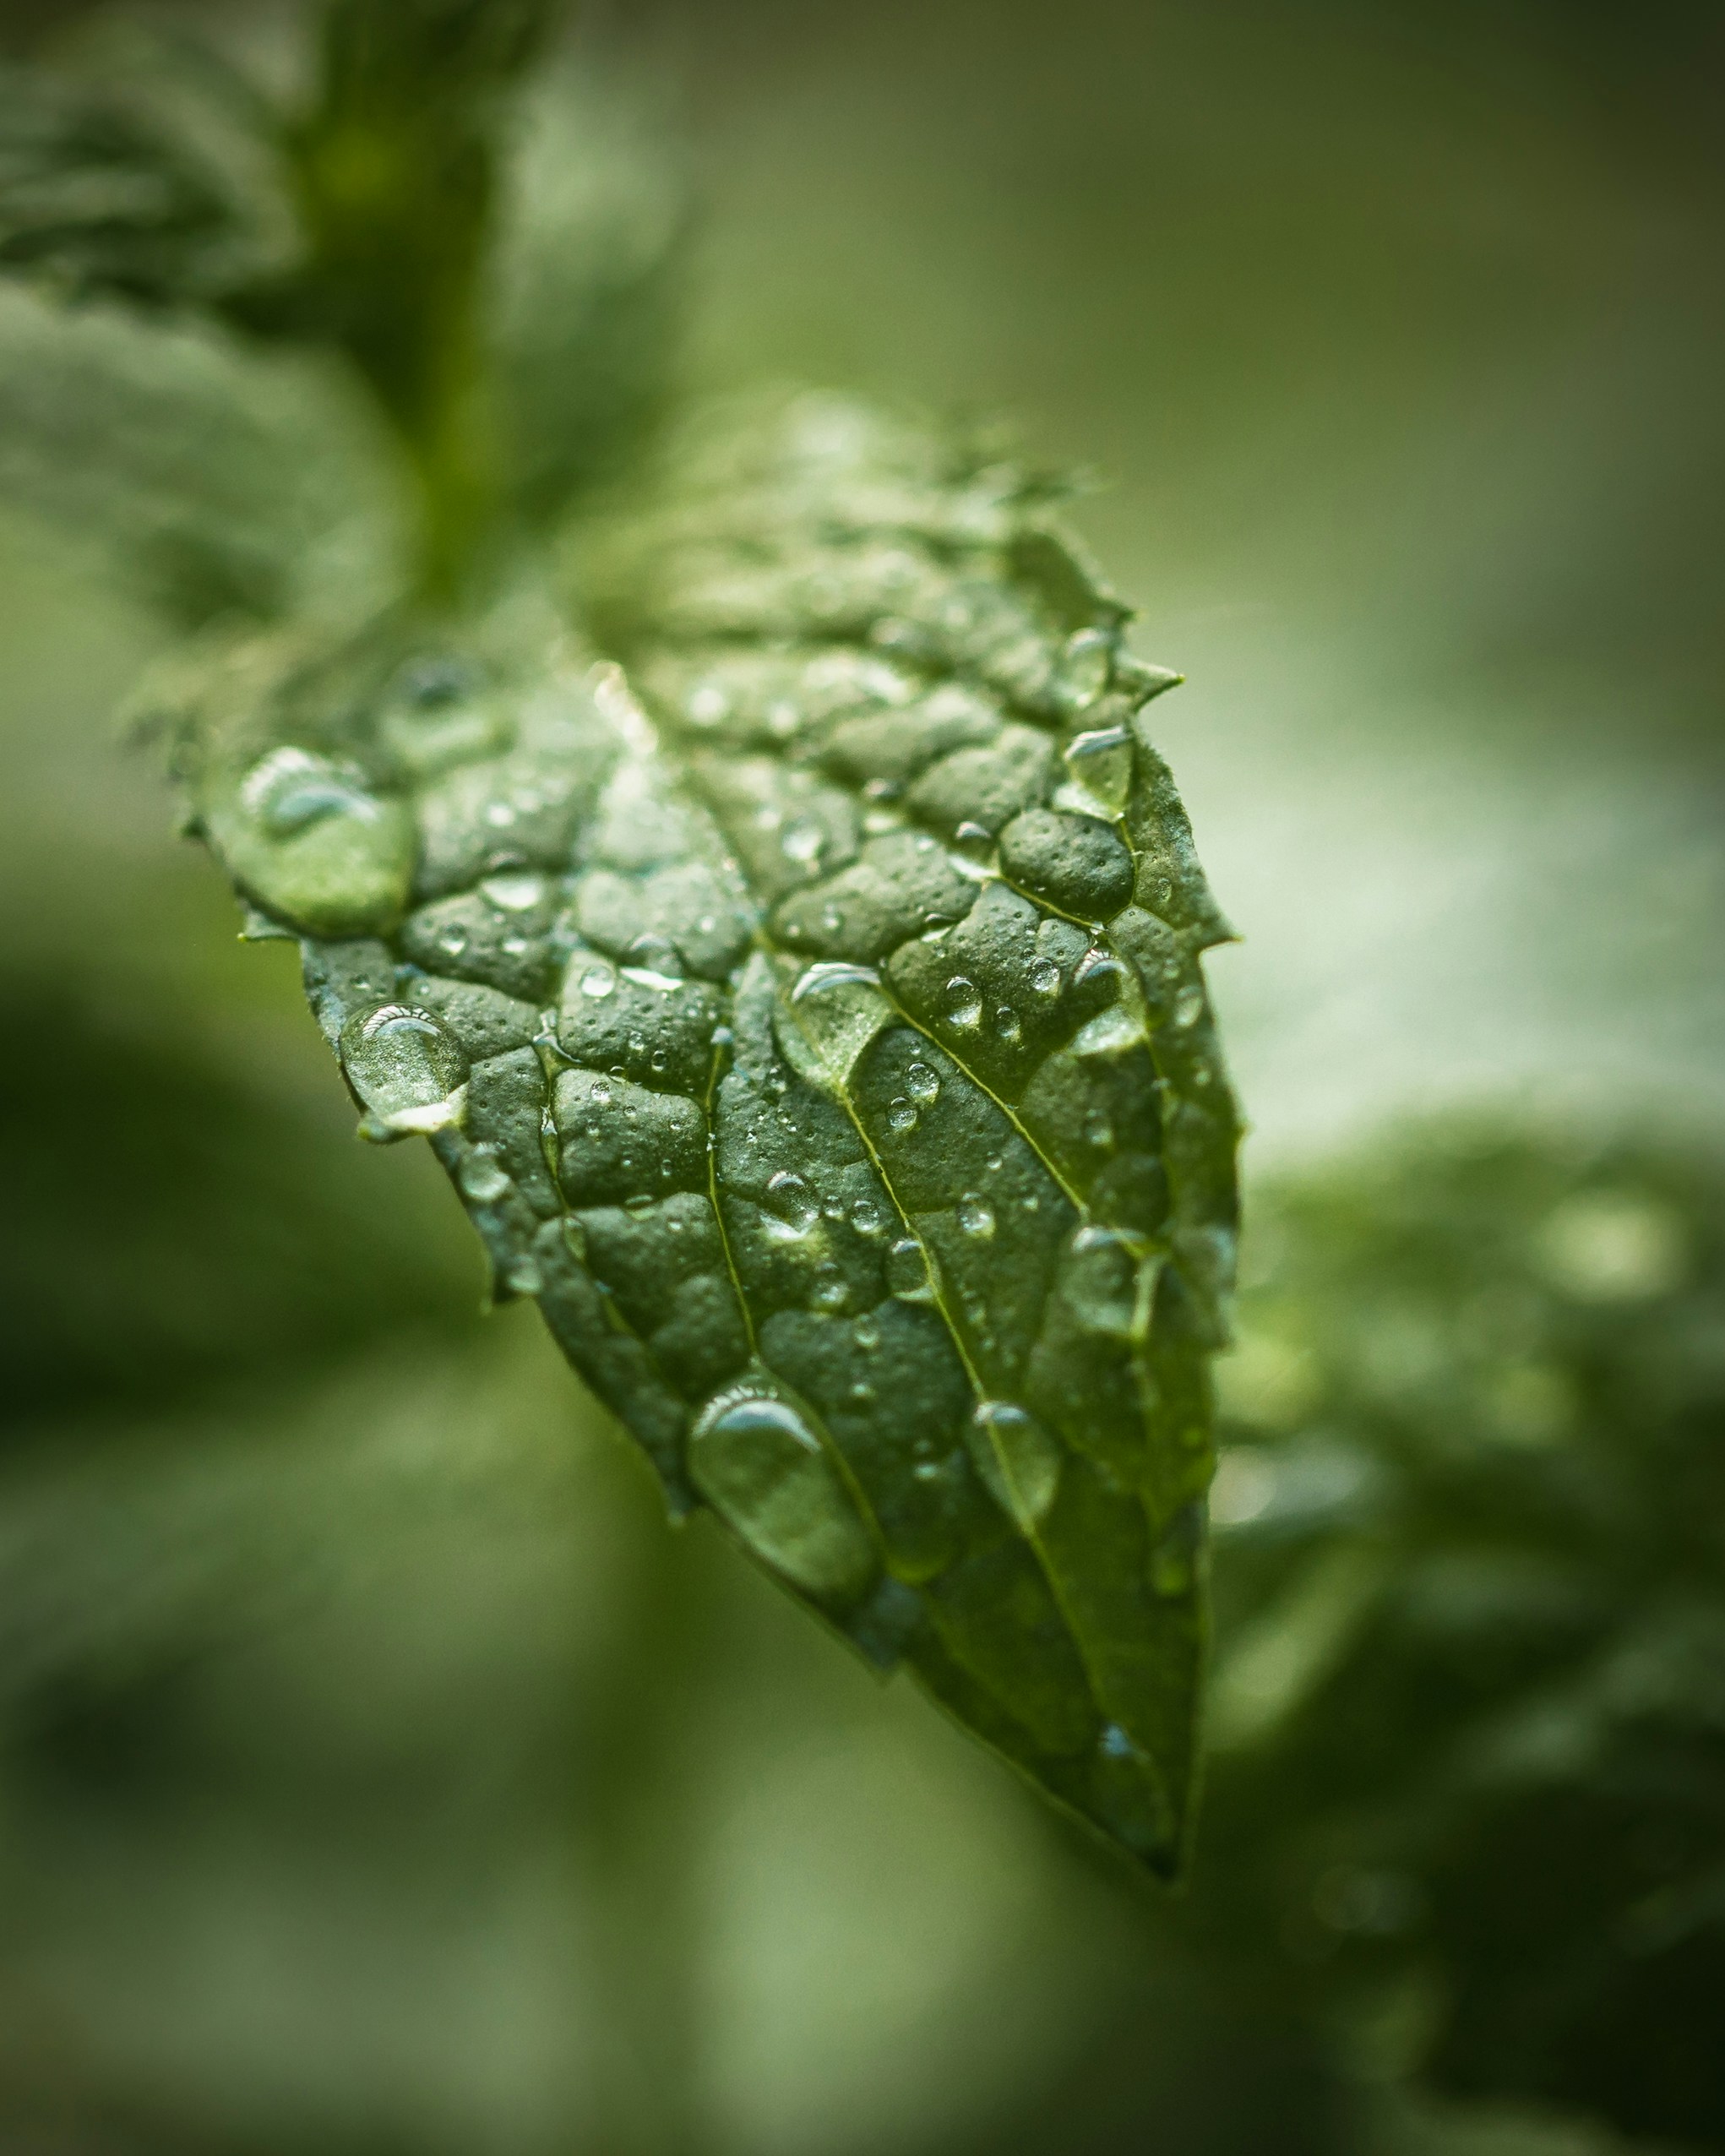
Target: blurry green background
378 1774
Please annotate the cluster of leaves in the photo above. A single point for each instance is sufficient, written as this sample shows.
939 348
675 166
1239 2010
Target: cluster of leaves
766 895
1468 1786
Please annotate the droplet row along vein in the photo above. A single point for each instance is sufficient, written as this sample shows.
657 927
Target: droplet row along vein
820 1038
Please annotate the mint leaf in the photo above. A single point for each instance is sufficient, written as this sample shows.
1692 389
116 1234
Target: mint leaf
811 1020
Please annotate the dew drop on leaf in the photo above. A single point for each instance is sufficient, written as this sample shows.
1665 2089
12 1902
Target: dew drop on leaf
976 1216
1018 1463
964 1005
761 1467
922 1085
405 1067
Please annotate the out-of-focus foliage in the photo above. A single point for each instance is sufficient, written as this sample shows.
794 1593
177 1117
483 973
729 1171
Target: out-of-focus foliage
1469 1717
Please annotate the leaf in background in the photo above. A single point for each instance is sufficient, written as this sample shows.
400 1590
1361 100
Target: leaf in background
144 173
584 282
1470 1704
213 475
816 1029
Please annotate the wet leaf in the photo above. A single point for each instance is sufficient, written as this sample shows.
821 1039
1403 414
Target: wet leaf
885 1192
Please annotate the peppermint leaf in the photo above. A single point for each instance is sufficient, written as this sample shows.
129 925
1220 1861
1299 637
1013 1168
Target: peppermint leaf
809 1012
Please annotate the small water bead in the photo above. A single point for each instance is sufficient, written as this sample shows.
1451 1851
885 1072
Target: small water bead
1098 1130
452 942
1045 977
866 1332
1009 1025
907 1275
513 893
861 1391
639 1205
788 1198
481 1176
408 1072
516 946
830 1293
964 1003
922 1085
657 955
522 1275
867 1217
803 841
976 1216
900 1116
600 1094
598 981
1189 1005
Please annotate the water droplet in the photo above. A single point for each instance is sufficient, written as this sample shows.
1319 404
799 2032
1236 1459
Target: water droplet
801 841
833 973
307 838
861 1391
523 1276
867 1334
1101 765
1008 1025
639 1205
599 980
867 1217
600 1094
971 834
976 1216
789 1199
921 1084
761 1467
1099 1279
1018 1463
452 941
653 954
513 893
830 1293
516 946
482 1177
964 1005
1098 1131
575 1237
405 1068
1045 977
1189 1005
907 1275
1085 665
900 1116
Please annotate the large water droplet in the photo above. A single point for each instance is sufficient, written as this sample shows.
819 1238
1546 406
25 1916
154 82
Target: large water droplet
513 894
1008 1025
1018 1461
1099 1279
762 1468
1101 765
867 1217
900 1116
1082 673
794 1208
1045 977
598 980
833 973
1189 1005
964 1004
306 837
408 1072
976 1216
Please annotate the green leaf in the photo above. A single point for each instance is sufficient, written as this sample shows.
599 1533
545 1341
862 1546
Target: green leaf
811 1019
1470 1710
